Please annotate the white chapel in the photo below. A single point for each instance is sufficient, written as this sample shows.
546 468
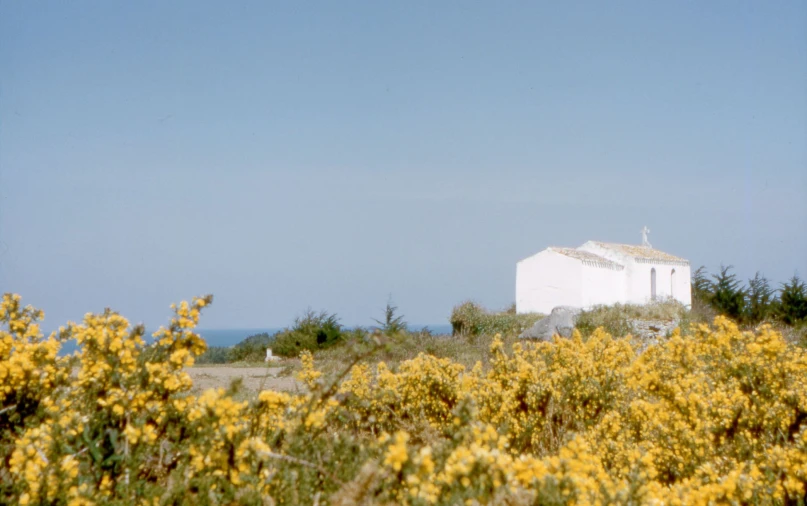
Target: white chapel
600 273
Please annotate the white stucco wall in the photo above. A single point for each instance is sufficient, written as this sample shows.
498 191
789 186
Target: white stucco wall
683 284
682 291
638 275
546 280
602 285
639 282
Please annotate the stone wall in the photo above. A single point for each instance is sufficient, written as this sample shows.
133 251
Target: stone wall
649 332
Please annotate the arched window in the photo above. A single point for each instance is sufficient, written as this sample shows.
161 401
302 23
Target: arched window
653 283
672 284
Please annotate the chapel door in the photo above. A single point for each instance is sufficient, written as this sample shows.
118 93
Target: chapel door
653 283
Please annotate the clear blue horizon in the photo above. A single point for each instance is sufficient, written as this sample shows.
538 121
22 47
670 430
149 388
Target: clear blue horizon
324 155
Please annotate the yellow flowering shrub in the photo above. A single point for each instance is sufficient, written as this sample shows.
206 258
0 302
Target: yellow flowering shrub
716 417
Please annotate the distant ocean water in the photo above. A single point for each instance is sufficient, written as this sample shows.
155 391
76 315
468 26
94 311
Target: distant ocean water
231 337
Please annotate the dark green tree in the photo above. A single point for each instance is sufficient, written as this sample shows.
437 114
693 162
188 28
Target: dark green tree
728 295
760 300
792 307
392 324
701 287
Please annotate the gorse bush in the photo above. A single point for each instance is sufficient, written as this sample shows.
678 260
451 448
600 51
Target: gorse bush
75 438
397 348
470 319
718 417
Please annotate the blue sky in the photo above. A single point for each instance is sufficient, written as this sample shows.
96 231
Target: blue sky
330 154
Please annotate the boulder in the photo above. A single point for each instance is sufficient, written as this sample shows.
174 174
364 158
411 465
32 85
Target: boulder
560 321
653 329
648 333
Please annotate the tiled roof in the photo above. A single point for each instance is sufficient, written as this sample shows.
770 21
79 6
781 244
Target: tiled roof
587 257
642 252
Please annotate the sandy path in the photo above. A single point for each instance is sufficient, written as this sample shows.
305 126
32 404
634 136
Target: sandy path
254 379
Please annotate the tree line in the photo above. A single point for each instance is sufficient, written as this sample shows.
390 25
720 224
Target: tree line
751 303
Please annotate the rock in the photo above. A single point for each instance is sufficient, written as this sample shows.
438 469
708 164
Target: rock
652 329
560 321
648 333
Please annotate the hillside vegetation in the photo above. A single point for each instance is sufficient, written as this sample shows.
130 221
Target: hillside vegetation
716 416
751 303
471 319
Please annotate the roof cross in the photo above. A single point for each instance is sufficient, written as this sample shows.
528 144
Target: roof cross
645 242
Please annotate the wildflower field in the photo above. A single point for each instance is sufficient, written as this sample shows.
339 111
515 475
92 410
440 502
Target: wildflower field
714 417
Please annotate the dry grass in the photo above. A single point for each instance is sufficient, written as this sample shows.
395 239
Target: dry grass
471 319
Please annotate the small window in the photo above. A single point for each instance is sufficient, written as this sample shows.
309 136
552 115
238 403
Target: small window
672 284
653 283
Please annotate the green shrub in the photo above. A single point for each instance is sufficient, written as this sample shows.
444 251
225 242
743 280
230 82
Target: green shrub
312 331
251 349
613 319
356 334
471 319
214 355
